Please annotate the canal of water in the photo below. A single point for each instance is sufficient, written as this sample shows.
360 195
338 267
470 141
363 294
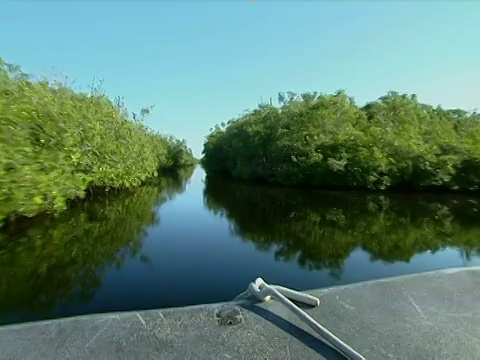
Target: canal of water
187 241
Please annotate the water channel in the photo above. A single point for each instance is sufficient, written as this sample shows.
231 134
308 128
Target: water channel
187 241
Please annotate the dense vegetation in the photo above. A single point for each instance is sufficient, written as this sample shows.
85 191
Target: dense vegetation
321 140
61 261
320 229
56 143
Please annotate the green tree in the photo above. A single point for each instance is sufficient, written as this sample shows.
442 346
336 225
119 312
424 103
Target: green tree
326 140
56 143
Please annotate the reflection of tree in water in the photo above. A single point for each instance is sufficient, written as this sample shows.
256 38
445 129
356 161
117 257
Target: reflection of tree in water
61 260
321 229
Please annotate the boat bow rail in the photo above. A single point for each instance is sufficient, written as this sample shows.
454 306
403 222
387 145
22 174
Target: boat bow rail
432 315
264 292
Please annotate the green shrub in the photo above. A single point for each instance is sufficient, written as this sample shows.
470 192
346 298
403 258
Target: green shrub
55 143
328 141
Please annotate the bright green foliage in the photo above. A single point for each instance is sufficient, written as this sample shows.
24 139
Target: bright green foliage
58 261
328 141
178 154
320 229
55 143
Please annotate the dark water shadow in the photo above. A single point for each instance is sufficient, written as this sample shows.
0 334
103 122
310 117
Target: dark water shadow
321 229
62 262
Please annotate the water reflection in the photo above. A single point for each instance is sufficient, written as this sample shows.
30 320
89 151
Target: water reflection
320 230
117 254
55 261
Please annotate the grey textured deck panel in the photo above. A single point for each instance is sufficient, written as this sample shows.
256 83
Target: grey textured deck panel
427 316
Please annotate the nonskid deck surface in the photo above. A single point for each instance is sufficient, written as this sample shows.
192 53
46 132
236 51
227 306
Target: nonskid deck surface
433 315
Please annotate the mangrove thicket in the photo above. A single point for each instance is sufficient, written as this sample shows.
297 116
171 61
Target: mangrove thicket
327 140
57 143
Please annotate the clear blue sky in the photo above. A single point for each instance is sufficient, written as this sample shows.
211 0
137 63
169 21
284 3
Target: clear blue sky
201 63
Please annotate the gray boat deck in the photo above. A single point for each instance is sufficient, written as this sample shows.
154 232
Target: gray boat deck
433 315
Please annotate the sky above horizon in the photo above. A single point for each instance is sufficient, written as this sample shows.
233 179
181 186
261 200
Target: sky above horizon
204 62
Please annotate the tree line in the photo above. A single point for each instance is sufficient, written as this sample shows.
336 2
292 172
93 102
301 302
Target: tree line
327 140
56 144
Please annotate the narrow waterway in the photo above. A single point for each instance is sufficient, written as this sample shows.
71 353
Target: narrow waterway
184 241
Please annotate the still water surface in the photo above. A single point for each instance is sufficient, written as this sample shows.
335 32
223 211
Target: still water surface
186 241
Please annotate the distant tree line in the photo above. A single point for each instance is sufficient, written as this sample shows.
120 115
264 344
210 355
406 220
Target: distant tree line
56 143
326 140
